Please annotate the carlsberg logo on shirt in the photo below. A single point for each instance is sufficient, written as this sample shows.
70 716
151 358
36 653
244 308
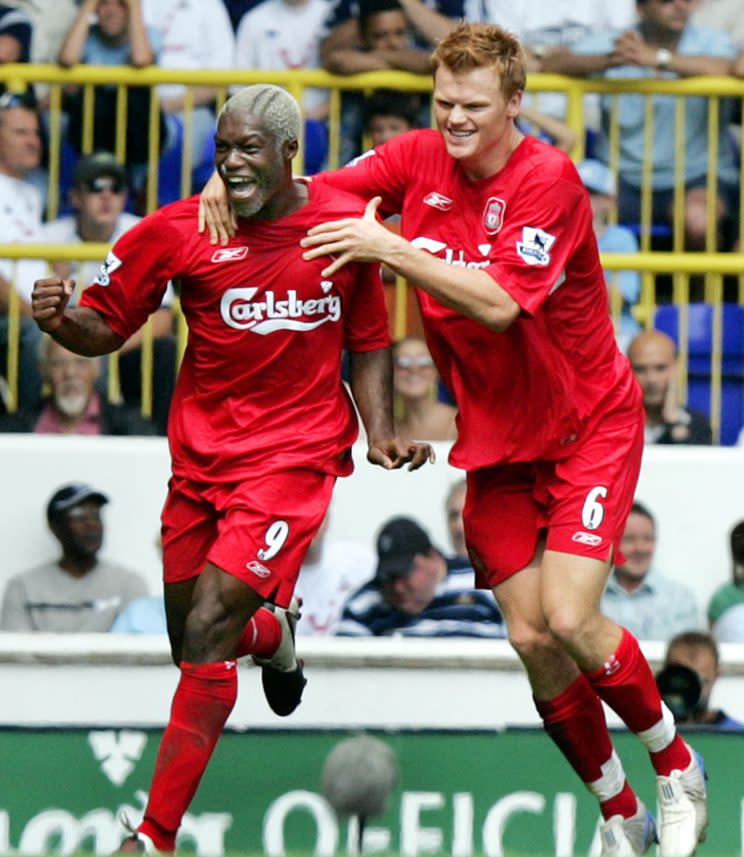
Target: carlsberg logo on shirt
264 316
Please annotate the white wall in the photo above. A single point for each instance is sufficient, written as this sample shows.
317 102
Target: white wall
372 682
696 495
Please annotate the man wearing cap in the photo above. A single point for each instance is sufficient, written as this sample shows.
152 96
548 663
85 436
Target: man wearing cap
417 592
79 591
98 195
600 182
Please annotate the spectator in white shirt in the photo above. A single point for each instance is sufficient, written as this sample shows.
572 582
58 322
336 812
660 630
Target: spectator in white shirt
20 219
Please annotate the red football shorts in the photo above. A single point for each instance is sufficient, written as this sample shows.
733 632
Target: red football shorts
257 530
580 502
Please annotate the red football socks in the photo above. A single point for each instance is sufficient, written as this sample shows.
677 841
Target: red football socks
261 636
575 721
203 700
625 682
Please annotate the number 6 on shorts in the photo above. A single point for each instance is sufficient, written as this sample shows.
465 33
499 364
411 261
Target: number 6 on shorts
592 513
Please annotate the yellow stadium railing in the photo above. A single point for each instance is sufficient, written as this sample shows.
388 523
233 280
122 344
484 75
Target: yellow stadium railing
710 266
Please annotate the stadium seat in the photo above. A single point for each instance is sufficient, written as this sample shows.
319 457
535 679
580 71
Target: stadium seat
700 327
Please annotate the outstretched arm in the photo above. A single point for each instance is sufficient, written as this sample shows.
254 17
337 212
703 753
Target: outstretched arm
371 384
80 329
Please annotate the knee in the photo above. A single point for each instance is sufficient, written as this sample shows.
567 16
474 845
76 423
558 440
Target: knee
204 630
530 642
568 624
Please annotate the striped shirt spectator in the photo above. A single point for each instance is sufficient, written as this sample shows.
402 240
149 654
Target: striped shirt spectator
417 592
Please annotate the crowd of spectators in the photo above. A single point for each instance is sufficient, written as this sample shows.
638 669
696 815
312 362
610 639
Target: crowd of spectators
622 39
632 39
406 586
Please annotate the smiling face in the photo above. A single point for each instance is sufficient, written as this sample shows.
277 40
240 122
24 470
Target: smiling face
254 166
475 118
20 141
638 543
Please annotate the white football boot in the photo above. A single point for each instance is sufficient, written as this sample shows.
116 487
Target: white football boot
683 809
628 837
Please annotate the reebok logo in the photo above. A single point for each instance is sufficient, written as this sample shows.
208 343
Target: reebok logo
586 538
241 312
611 666
258 569
438 200
230 254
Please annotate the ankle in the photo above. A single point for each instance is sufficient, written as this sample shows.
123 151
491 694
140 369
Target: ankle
163 840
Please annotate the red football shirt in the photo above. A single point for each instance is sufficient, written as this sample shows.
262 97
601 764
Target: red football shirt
260 384
526 393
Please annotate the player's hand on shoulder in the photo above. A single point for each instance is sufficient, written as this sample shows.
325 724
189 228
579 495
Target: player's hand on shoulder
393 453
49 299
215 213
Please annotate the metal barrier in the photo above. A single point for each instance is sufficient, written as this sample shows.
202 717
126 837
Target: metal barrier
710 266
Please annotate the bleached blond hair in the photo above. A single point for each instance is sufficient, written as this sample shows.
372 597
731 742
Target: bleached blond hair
275 107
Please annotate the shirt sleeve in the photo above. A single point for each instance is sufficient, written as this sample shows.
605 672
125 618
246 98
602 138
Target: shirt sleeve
596 43
13 614
367 321
707 42
380 172
135 275
545 224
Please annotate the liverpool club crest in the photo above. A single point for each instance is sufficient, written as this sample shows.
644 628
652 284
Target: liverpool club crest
493 215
